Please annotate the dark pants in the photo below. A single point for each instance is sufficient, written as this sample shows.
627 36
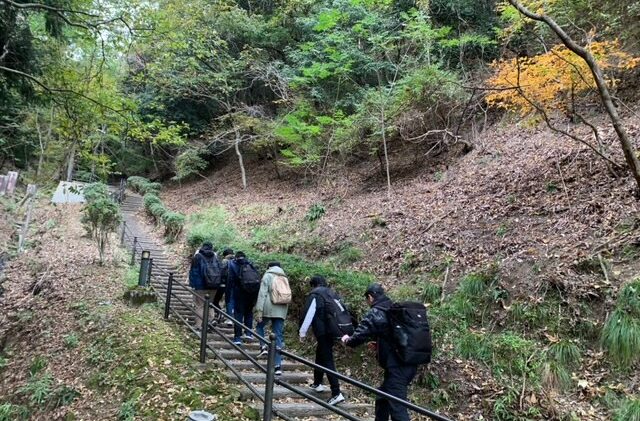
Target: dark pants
218 297
324 357
243 311
396 381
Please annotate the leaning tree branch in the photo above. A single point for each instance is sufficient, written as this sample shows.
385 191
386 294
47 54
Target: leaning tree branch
625 142
62 91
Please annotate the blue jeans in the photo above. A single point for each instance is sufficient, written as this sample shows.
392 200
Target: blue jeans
277 326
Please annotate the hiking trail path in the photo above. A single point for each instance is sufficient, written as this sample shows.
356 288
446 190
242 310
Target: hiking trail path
294 373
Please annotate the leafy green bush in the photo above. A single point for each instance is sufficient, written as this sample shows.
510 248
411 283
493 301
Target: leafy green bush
189 163
95 191
173 224
38 363
101 218
127 411
135 182
149 199
315 212
38 389
565 352
143 186
621 332
157 210
71 340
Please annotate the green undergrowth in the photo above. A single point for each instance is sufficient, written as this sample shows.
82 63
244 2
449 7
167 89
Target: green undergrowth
213 225
40 394
621 333
173 222
147 366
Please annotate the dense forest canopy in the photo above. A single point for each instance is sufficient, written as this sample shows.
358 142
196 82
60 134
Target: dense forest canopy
91 88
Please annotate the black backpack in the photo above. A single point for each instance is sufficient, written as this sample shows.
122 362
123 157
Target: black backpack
249 278
338 319
410 333
212 276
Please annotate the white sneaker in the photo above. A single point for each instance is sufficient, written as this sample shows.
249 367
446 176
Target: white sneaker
263 352
228 323
319 388
336 399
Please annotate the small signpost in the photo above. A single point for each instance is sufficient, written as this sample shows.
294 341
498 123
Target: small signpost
3 184
24 230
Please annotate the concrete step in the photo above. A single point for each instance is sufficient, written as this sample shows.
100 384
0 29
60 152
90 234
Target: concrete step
293 377
248 365
310 409
280 392
250 347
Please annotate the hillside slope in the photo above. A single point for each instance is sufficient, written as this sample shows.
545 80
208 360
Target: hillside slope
548 229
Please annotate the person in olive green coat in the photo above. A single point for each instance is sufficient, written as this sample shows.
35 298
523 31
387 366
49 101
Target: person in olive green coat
266 311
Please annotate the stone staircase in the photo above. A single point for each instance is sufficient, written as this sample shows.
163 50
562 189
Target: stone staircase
294 373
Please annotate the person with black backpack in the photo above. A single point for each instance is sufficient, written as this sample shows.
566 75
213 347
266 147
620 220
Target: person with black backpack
245 283
403 341
205 277
227 255
325 313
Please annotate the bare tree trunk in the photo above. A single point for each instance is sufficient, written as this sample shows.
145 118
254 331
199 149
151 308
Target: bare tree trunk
41 157
384 145
237 146
625 143
71 162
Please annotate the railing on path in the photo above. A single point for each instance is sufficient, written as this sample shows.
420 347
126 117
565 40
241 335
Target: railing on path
170 296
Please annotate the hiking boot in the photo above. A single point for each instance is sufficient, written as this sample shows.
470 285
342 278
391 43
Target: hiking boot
318 388
336 399
278 372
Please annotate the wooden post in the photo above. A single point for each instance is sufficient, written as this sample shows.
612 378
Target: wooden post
31 194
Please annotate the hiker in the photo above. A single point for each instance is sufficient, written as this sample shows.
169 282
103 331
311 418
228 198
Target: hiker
397 374
227 255
315 316
273 302
204 278
245 284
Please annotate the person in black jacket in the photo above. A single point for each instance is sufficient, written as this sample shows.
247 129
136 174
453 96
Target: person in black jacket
197 281
397 375
315 316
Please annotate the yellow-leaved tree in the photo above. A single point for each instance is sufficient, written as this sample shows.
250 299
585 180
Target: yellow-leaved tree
548 81
545 82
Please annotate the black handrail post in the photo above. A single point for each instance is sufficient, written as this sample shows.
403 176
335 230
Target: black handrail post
124 227
167 303
133 251
145 268
205 328
268 387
